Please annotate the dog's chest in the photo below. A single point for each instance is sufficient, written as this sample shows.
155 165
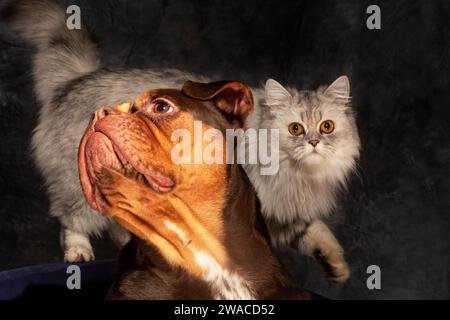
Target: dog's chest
224 284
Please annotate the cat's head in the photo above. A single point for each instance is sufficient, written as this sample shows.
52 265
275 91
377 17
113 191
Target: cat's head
317 128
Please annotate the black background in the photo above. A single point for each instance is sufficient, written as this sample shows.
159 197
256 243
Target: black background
396 216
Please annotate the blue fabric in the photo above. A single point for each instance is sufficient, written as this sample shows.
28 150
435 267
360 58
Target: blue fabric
49 281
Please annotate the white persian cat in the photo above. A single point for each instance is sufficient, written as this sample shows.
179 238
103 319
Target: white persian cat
318 149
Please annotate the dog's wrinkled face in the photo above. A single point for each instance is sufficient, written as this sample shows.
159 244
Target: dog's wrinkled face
126 168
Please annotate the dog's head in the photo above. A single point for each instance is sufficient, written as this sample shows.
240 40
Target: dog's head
127 166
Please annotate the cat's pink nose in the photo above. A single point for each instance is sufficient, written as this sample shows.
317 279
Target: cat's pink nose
314 142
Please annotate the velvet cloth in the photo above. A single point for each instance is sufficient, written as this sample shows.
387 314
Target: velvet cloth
48 281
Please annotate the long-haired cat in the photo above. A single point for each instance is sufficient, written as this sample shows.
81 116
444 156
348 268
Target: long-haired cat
319 147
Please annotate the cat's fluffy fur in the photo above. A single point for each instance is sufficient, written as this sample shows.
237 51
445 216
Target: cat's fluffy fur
304 190
70 84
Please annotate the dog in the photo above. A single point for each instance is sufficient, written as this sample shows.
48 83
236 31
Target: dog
70 83
198 228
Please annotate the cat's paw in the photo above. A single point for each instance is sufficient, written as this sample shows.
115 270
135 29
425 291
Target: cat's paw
340 271
334 265
78 253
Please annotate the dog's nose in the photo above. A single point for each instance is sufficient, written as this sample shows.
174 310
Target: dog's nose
314 142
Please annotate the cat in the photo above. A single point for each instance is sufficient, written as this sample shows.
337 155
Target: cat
319 147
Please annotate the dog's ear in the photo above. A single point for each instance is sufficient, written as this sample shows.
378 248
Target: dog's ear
233 98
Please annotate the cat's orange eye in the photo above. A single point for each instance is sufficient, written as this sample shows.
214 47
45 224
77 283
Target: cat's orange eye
295 129
327 127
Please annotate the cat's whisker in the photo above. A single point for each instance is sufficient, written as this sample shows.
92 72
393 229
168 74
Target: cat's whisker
330 154
329 150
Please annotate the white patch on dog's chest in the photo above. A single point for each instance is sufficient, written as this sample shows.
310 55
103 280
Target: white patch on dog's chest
178 231
225 284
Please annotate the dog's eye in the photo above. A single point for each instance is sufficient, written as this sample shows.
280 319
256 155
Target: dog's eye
295 129
162 107
327 127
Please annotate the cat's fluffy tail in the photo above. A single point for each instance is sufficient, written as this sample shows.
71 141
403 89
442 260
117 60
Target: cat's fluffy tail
62 54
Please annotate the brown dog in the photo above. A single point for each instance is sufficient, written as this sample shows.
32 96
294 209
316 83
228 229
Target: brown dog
199 231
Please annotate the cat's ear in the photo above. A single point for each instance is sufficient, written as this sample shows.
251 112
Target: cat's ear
276 94
339 90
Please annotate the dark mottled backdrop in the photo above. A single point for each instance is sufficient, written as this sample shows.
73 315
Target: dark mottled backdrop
396 216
